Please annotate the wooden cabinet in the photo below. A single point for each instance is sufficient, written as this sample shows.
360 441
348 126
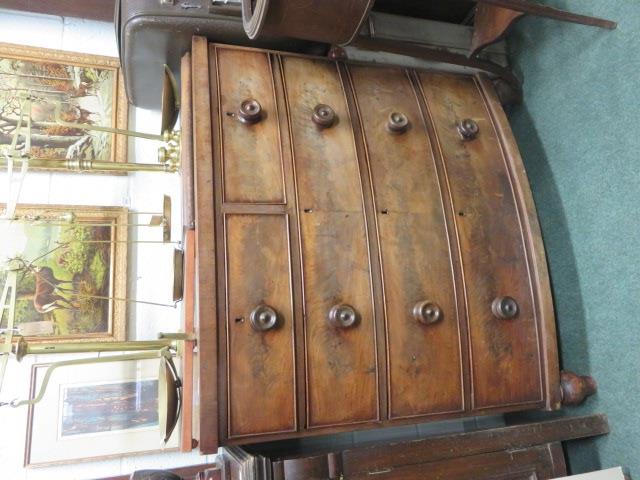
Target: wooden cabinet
368 249
516 452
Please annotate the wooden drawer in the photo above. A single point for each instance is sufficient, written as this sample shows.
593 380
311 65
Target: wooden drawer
341 364
424 352
260 358
505 355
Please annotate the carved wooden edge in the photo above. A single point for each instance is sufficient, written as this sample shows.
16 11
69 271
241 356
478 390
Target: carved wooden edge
533 242
205 322
491 25
473 443
576 388
186 142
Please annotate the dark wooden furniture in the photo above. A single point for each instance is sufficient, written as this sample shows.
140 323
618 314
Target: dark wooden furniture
494 18
368 252
519 452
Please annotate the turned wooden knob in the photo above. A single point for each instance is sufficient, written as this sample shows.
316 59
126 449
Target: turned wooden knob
427 312
342 316
505 308
250 111
397 122
575 388
323 116
468 129
263 318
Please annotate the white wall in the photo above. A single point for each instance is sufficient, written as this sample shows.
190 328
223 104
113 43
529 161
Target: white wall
150 279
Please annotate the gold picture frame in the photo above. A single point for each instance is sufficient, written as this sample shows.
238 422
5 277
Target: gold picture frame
90 89
93 265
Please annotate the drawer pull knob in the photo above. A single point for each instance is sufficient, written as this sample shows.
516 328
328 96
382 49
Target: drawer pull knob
263 318
468 129
323 116
250 111
505 308
427 312
343 316
397 123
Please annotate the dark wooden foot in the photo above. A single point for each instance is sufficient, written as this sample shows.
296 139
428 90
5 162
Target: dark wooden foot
575 388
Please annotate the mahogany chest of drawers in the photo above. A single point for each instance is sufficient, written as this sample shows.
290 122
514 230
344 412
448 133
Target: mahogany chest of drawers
368 249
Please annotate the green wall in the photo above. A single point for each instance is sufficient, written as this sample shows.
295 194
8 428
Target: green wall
579 133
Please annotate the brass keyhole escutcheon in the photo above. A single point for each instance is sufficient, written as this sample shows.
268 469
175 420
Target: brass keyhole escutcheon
263 318
505 308
342 316
324 116
250 111
468 129
427 312
397 122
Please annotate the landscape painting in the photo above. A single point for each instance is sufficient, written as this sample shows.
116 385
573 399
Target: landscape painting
73 268
108 407
75 88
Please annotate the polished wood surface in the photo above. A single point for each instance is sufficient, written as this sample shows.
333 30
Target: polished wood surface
425 361
340 362
260 364
505 353
252 162
360 221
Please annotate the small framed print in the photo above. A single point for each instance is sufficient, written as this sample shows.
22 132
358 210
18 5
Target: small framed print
95 411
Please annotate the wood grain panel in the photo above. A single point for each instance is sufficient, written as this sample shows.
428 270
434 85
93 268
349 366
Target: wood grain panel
425 366
505 354
261 371
341 363
251 155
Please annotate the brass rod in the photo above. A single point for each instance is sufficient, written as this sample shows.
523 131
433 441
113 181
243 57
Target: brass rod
83 361
94 347
119 241
117 131
44 223
119 299
82 165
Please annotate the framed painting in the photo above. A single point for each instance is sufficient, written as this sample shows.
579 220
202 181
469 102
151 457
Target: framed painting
87 89
74 267
97 411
